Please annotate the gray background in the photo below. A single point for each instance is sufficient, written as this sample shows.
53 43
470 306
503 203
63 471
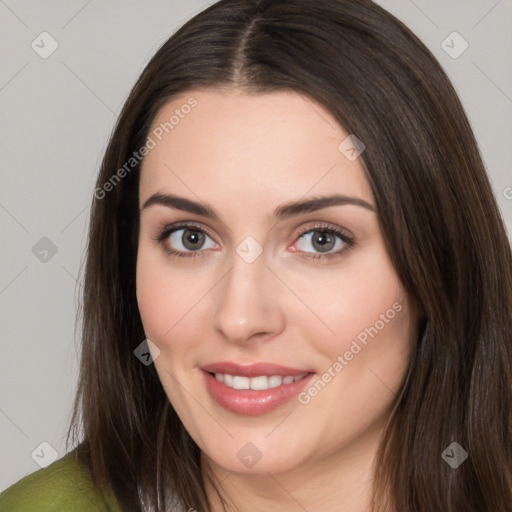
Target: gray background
57 114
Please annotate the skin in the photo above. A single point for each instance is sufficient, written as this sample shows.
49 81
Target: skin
244 155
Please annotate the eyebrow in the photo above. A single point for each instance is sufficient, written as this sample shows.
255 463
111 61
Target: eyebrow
282 212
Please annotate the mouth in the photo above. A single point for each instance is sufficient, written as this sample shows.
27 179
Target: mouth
255 389
259 383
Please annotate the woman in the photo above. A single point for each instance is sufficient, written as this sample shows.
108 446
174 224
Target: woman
298 290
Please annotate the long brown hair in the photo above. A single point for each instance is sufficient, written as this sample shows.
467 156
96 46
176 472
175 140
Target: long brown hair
438 215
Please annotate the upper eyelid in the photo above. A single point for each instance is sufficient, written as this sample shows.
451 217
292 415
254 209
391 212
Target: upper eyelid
325 226
171 228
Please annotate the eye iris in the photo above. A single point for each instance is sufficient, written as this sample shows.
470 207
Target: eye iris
323 241
192 239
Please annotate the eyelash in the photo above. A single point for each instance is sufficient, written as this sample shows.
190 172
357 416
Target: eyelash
324 228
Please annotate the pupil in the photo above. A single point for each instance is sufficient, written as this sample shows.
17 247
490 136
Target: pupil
323 241
192 239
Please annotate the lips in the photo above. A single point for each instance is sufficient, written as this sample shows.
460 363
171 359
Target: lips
221 382
254 370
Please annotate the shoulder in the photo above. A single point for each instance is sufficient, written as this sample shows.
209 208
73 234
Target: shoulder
62 486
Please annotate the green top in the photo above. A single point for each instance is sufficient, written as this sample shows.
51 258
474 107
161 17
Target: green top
63 486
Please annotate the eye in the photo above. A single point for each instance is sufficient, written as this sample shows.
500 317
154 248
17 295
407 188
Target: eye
317 242
185 240
323 241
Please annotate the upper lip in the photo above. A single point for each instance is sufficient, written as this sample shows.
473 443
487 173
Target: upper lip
252 370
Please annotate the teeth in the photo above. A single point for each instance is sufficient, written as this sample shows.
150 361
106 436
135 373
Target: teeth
257 383
228 380
241 382
275 381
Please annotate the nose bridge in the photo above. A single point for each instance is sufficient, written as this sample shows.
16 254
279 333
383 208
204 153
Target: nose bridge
246 303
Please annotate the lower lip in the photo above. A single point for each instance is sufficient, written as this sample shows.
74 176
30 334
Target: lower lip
250 402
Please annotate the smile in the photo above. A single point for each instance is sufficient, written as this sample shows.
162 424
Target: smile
255 389
259 383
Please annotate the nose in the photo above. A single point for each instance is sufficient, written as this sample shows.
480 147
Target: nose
247 304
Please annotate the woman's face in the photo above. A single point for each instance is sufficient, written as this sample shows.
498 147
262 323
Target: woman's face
260 245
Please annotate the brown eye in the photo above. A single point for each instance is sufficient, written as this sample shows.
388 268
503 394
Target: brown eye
322 241
192 239
186 240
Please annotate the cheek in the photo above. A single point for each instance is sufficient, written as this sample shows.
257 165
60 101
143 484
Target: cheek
157 295
351 301
364 361
152 298
170 300
158 298
365 340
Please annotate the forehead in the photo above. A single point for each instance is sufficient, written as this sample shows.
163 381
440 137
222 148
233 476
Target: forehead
234 144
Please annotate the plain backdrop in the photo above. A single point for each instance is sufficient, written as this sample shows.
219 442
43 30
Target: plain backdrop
58 111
